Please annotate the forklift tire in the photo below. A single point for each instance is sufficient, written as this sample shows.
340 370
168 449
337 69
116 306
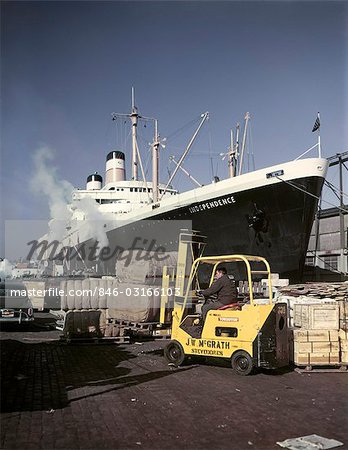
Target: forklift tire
242 362
174 353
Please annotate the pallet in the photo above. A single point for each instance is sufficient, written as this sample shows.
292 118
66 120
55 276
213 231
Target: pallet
319 368
141 329
96 340
162 336
133 326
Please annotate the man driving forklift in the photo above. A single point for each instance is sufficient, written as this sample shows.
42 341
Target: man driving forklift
223 288
252 335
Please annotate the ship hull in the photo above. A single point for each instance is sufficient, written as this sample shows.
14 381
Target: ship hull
273 221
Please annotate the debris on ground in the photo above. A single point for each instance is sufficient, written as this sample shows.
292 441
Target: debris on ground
311 442
20 377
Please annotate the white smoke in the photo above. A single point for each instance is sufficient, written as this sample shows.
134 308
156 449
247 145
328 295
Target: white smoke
6 269
58 193
94 222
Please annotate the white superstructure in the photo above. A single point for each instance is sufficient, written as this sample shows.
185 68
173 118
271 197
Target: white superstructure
119 197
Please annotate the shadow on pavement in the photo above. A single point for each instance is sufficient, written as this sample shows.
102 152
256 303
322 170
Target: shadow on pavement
277 372
131 381
45 376
41 322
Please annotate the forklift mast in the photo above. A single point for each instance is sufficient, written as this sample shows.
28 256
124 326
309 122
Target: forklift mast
191 246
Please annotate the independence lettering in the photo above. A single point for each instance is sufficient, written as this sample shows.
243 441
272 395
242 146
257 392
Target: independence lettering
213 204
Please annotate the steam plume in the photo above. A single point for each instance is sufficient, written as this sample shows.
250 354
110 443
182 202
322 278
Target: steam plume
58 193
6 269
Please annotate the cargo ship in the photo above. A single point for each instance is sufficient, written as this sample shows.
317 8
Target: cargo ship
267 212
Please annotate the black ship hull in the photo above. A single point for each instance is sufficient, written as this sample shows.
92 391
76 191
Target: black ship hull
273 221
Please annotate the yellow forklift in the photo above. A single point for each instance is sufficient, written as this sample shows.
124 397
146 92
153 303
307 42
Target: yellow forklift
251 332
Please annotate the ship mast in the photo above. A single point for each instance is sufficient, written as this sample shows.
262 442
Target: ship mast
136 157
232 153
247 118
237 145
134 118
230 158
155 147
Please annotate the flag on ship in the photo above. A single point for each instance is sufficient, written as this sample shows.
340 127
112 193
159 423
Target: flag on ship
316 124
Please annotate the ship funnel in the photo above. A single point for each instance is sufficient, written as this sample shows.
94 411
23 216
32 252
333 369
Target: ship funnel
115 170
94 182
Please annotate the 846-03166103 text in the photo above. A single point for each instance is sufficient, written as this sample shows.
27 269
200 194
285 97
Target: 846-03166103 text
98 291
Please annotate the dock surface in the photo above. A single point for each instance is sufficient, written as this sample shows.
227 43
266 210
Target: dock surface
109 396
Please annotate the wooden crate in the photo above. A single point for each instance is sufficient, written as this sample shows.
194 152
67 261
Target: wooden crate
300 335
316 316
335 358
319 359
301 359
323 358
344 345
315 347
302 347
333 335
343 341
319 347
343 335
344 357
314 336
343 308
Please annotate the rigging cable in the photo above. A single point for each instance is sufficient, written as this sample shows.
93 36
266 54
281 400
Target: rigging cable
176 134
325 262
335 189
345 210
210 150
181 129
251 145
107 133
320 199
145 141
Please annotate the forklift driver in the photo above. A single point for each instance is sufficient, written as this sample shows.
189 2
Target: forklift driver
225 290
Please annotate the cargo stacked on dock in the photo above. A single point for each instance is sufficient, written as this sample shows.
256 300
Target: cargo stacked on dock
318 318
105 306
343 340
315 347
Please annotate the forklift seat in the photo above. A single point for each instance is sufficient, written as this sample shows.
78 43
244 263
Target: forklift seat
233 306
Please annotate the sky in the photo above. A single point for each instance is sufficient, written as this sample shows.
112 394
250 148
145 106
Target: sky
67 65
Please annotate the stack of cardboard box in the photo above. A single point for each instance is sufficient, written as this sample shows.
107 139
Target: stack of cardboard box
313 347
343 341
316 342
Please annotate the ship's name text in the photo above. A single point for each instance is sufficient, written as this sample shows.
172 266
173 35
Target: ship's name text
212 204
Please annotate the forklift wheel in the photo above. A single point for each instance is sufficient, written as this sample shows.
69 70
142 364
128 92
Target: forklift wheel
174 353
242 363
